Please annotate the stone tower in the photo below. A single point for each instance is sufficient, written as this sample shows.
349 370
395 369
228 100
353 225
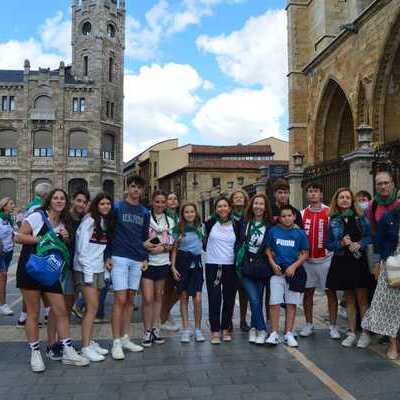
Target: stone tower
98 45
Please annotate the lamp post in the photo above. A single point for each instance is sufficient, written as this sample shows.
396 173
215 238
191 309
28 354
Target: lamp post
365 134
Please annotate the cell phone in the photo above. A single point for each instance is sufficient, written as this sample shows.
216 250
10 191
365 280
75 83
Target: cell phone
155 240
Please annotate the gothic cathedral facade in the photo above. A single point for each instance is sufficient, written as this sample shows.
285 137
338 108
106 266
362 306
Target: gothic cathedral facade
65 126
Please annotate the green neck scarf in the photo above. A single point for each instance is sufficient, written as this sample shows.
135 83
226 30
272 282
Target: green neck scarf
188 228
172 214
385 201
7 217
36 201
344 214
217 218
237 214
255 229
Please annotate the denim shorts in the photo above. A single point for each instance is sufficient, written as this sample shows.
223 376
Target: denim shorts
126 273
5 260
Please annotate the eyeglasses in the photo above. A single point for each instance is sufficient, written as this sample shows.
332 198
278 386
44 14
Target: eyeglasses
384 183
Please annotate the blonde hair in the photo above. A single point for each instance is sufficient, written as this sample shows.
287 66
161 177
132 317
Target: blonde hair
245 195
4 201
334 209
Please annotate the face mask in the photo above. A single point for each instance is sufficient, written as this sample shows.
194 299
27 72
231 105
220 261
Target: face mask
363 205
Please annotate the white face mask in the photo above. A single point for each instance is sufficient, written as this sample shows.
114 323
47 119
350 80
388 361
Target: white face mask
363 205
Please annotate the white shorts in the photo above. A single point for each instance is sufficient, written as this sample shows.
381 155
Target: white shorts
280 292
125 273
317 272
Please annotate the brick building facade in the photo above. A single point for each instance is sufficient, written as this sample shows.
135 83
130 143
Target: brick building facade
65 126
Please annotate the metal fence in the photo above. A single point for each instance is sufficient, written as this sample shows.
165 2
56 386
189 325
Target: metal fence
331 175
387 158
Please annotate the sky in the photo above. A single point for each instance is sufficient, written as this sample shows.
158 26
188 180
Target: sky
202 71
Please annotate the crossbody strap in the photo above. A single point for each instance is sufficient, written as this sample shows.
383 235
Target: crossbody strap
47 222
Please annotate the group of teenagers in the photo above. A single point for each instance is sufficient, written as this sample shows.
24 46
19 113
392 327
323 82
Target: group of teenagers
271 253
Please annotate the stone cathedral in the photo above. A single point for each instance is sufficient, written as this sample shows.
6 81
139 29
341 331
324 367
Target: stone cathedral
65 126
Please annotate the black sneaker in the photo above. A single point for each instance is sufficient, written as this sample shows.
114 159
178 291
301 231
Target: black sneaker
55 352
157 339
244 327
20 324
147 340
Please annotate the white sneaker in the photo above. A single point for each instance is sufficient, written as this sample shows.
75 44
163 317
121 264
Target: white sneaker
198 336
37 364
290 340
6 310
273 338
334 333
117 352
130 346
252 335
363 341
350 340
91 354
170 325
261 336
186 335
98 349
71 357
307 330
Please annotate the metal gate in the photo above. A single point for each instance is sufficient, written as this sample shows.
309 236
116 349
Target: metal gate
387 158
331 175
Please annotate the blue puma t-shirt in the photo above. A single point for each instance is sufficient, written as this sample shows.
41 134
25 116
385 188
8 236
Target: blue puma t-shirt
131 231
286 244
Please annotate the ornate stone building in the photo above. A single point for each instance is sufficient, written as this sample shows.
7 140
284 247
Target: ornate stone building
344 85
65 126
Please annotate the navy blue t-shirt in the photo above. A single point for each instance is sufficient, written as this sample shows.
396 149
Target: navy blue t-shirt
286 244
131 231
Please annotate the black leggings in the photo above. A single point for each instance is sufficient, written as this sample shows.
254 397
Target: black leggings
223 292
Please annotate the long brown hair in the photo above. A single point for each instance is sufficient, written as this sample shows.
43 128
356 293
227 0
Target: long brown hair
182 223
267 216
65 216
109 219
334 209
245 195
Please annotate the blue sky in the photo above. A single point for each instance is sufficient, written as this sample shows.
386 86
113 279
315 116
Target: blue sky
205 71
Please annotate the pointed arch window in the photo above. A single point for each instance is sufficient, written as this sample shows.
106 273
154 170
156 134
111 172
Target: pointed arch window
86 28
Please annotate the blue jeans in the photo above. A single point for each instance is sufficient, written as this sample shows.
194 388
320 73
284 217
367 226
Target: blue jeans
255 290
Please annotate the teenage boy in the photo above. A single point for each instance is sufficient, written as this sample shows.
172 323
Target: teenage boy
127 258
315 220
281 192
287 250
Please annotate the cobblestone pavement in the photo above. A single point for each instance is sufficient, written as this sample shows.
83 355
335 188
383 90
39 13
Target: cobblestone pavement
320 369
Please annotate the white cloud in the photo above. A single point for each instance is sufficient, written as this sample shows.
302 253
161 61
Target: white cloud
257 54
241 115
255 57
164 20
52 46
157 100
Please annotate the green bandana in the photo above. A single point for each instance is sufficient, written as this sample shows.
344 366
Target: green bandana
237 215
36 201
344 214
255 229
385 201
173 215
188 228
216 218
7 217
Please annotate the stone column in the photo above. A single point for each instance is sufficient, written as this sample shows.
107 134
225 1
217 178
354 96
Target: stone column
295 178
361 160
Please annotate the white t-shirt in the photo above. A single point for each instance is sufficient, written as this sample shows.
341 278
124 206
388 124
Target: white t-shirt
35 220
159 227
220 245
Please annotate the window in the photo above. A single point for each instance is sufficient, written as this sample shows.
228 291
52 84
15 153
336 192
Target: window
8 188
85 65
78 104
12 105
110 30
42 144
112 111
216 182
110 69
240 180
108 147
155 166
8 144
4 103
76 185
86 28
108 109
78 144
108 187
